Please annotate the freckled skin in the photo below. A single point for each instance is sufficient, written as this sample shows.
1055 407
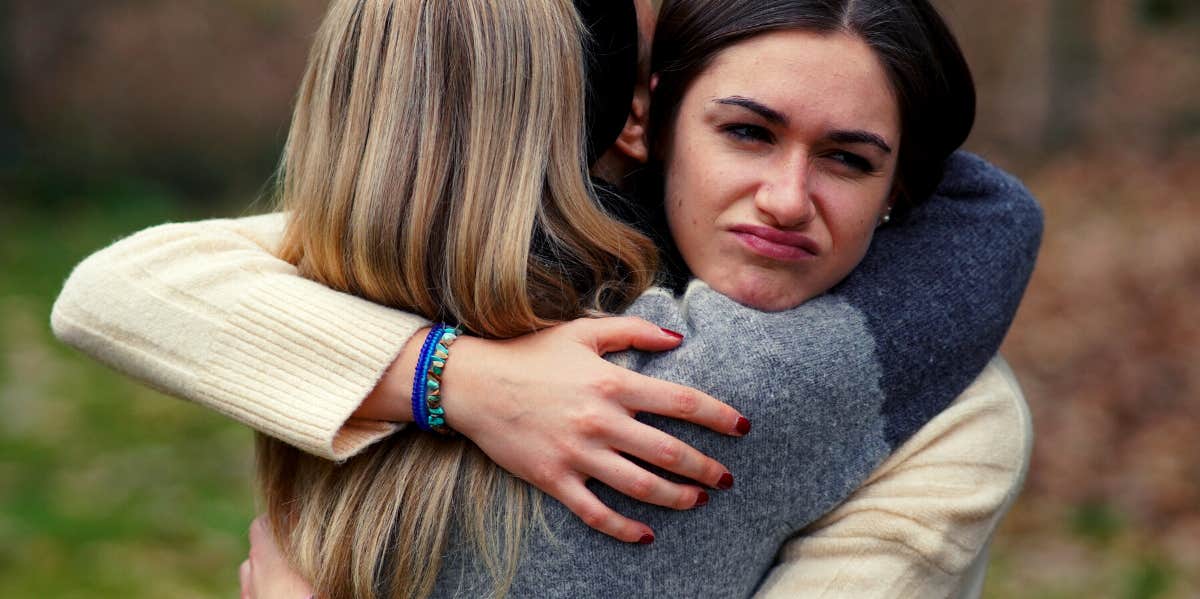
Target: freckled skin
729 166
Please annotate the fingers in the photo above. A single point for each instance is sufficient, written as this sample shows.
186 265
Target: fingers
647 394
608 335
260 535
638 483
584 504
656 447
244 580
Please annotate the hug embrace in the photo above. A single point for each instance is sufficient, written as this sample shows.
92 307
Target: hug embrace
724 294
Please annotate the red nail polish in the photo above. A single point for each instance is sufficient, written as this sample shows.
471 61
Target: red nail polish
678 336
646 540
701 500
726 482
742 426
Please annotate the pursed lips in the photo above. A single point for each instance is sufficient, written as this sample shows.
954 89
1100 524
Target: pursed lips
775 243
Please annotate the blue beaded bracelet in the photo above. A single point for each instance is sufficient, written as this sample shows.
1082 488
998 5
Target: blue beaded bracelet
436 415
420 416
428 413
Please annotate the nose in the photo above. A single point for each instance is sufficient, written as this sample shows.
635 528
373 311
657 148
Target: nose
785 198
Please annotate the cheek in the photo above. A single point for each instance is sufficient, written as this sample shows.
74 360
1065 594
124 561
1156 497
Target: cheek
852 221
693 185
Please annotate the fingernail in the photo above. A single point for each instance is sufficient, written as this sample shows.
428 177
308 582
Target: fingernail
646 540
671 333
726 482
702 500
742 426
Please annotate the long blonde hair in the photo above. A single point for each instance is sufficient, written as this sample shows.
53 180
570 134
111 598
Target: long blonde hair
433 145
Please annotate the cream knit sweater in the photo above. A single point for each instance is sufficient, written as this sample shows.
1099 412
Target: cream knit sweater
204 311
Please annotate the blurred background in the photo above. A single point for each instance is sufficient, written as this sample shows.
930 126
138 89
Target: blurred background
122 114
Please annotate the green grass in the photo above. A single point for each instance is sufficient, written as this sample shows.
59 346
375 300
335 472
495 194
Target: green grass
107 489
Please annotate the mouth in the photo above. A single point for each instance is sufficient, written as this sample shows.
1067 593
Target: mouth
773 243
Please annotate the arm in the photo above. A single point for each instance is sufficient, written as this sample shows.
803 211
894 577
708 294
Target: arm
953 482
921 315
921 524
205 311
136 306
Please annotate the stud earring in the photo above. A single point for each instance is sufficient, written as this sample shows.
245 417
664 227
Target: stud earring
887 217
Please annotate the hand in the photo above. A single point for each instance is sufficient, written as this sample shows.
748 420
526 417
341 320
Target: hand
266 573
547 408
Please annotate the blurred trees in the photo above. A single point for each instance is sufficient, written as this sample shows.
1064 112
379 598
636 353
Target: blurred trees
1071 57
1081 75
194 95
191 95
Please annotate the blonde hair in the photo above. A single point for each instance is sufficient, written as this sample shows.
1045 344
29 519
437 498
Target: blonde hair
433 145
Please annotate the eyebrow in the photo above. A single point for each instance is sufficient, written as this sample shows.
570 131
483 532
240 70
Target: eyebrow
857 136
773 116
845 136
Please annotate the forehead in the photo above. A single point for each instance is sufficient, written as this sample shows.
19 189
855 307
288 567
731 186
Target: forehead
831 76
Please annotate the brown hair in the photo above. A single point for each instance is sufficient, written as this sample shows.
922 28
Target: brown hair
925 66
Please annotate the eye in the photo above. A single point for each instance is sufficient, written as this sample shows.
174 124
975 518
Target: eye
745 132
852 160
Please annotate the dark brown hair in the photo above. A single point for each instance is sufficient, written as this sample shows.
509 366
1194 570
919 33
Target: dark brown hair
926 67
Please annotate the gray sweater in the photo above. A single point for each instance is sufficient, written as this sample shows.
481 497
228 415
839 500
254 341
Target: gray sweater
832 387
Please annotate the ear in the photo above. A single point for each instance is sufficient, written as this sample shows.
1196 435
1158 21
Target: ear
886 217
632 142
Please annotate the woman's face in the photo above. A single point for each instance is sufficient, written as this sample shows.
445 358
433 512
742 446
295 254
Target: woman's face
780 166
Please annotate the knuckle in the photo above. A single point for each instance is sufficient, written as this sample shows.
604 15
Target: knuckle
260 531
545 476
669 454
607 386
594 517
640 323
591 424
686 403
641 487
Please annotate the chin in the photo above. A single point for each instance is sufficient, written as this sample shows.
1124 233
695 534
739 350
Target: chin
766 295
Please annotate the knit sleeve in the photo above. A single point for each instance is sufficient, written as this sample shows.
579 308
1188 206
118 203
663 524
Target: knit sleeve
920 525
940 289
206 312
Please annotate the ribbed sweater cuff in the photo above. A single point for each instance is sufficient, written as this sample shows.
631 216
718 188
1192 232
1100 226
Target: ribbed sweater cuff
294 362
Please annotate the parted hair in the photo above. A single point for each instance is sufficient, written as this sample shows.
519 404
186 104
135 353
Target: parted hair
924 63
436 164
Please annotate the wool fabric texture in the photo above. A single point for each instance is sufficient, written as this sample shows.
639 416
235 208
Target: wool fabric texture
293 359
832 387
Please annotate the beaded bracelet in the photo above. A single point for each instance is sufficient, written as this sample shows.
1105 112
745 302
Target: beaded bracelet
420 416
428 413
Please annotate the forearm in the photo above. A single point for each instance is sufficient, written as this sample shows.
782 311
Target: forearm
205 311
920 525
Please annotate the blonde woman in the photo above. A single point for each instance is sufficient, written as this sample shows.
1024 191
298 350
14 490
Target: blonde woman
323 539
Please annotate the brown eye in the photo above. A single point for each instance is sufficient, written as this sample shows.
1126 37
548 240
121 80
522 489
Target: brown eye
748 133
853 161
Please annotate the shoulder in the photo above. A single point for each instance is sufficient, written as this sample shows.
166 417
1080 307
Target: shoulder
988 427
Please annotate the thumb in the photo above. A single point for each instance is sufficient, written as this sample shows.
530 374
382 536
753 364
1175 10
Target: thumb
614 334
